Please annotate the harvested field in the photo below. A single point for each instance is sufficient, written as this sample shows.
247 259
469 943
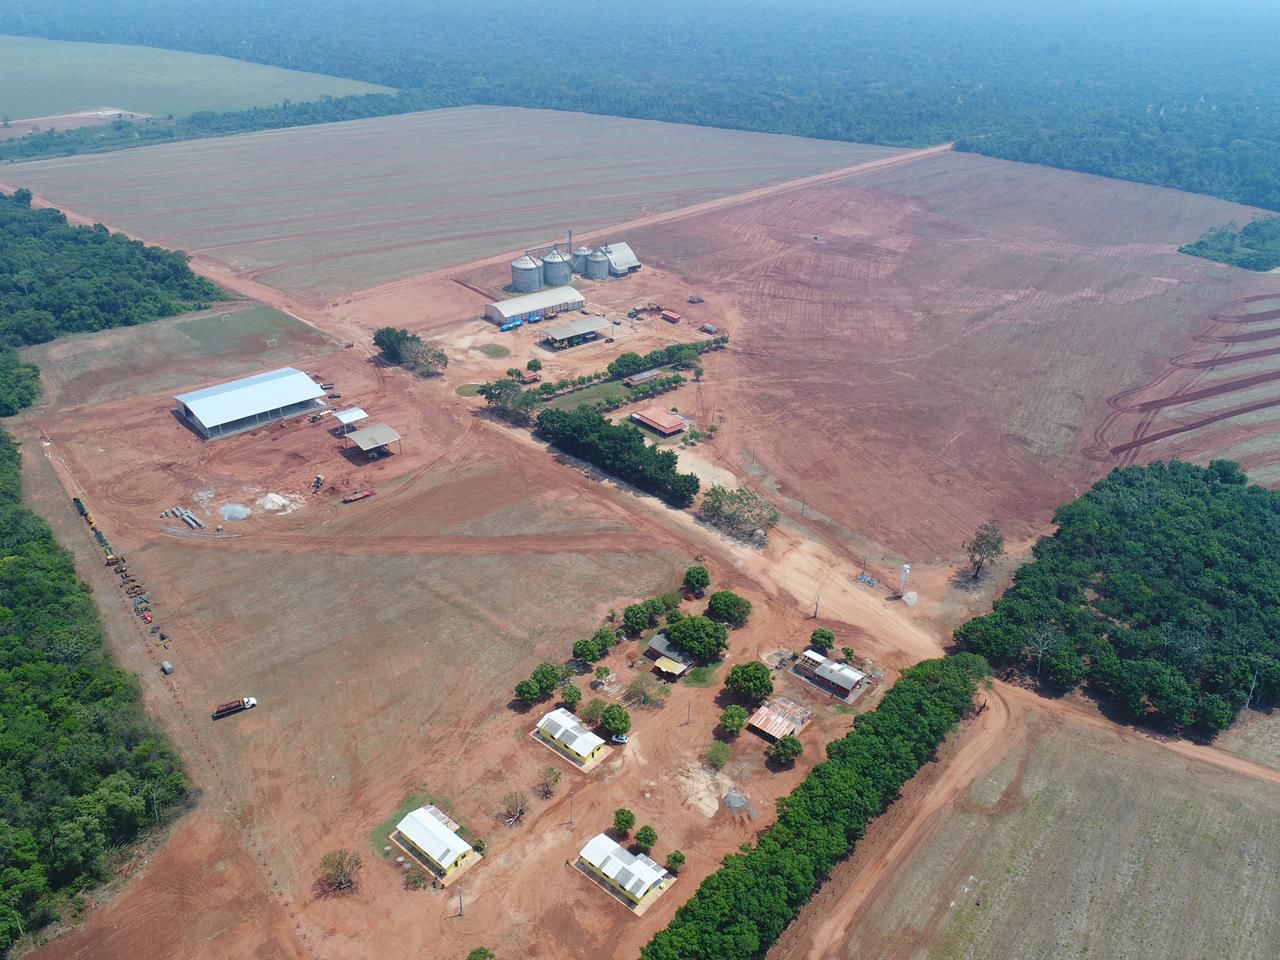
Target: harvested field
43 78
326 209
1076 840
923 347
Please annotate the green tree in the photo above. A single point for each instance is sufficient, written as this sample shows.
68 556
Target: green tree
646 838
571 696
727 607
615 719
592 713
636 618
786 749
529 691
848 654
587 649
339 872
700 637
481 953
509 400
697 579
623 821
534 365
986 546
752 681
546 676
675 860
733 719
822 639
602 673
395 343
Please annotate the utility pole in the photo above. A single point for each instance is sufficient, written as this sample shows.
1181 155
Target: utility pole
817 604
459 899
570 808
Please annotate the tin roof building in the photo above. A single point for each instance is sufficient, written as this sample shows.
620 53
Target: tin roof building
249 402
622 260
427 830
780 717
660 421
531 305
632 874
561 728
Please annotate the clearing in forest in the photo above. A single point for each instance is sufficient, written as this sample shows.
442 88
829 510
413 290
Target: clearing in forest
45 78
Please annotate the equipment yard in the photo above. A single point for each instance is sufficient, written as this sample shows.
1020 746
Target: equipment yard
381 636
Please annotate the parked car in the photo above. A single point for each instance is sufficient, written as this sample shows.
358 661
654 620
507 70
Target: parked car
620 738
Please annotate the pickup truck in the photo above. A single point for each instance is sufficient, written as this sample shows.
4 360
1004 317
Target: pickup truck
233 706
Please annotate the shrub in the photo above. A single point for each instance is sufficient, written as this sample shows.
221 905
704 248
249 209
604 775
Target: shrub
675 860
717 755
339 873
593 711
733 719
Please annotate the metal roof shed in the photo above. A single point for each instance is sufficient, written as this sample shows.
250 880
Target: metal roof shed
350 416
249 402
576 328
427 829
552 300
374 436
621 259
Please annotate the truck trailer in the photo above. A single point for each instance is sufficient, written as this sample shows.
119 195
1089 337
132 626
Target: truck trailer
233 706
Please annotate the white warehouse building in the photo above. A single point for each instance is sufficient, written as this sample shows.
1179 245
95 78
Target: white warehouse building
534 305
250 402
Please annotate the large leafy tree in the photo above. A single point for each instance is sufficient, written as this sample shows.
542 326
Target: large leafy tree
700 637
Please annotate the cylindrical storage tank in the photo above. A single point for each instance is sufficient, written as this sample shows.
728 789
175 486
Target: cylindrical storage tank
526 274
597 266
556 269
580 255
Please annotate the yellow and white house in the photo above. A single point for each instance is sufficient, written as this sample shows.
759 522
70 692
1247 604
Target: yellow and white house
427 831
563 730
632 874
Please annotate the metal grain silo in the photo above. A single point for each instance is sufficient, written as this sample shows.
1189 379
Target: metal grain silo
580 255
597 265
526 274
556 268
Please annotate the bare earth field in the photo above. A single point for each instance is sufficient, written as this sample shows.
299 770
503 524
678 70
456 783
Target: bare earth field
923 347
383 639
322 210
1076 839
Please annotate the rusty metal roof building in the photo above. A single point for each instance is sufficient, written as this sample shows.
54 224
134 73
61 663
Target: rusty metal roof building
780 717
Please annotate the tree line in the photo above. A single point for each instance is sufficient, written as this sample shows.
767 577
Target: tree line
57 279
620 450
82 769
1160 590
1182 100
739 911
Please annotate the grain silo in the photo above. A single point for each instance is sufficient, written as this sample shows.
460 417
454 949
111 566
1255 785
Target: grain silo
597 265
580 255
556 268
526 274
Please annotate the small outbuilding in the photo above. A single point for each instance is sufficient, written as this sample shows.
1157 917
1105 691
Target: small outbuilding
374 439
671 316
779 717
349 416
427 831
667 657
660 422
634 875
643 377
564 731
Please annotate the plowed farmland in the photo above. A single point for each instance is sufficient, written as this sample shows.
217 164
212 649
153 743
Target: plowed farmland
923 347
326 209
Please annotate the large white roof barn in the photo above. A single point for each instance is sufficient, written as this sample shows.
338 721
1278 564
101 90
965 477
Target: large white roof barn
552 300
249 402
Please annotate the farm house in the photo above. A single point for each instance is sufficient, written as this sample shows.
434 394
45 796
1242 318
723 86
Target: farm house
249 402
428 831
839 679
666 656
533 307
564 731
633 875
660 421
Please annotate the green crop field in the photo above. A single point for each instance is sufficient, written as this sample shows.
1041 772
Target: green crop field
41 78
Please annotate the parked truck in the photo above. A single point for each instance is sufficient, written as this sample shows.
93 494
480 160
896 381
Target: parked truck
233 706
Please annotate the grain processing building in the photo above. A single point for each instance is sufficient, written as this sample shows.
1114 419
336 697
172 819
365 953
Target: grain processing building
532 307
249 402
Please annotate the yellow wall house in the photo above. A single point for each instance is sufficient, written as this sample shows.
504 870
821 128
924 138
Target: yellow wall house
562 729
632 874
427 831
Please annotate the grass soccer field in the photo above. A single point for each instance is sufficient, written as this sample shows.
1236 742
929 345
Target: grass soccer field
44 78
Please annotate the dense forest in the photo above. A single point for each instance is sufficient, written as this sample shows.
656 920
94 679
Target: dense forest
1172 92
1256 246
57 279
739 911
1161 590
81 768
